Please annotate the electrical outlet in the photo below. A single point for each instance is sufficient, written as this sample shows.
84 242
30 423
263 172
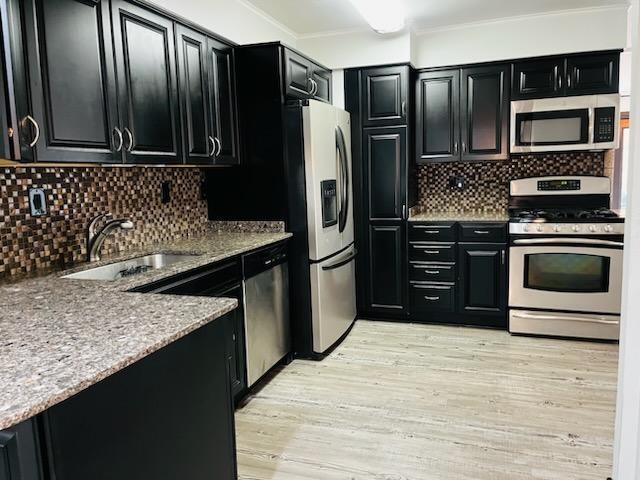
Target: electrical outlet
458 183
166 192
37 202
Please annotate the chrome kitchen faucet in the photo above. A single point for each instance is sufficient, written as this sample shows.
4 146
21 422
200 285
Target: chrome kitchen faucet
95 239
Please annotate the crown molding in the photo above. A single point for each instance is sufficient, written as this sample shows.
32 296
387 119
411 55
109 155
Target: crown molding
495 21
265 16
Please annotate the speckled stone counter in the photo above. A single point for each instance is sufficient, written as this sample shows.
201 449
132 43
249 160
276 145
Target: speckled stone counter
459 217
60 336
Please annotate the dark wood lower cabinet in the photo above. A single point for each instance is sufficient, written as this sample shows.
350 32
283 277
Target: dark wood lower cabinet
168 416
19 455
458 275
482 278
387 268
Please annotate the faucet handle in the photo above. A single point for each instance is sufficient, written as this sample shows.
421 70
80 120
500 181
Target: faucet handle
94 221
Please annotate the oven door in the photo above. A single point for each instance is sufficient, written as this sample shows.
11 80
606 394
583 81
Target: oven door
577 275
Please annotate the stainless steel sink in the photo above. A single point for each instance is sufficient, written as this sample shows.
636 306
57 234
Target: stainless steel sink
126 268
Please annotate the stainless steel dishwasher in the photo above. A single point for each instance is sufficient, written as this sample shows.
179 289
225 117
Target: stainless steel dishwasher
266 297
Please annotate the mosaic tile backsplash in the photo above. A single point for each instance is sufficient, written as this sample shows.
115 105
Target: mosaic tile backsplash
487 183
75 195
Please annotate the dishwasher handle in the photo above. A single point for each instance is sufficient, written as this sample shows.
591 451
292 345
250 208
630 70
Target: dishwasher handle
257 262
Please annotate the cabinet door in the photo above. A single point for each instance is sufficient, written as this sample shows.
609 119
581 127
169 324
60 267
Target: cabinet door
235 341
167 416
297 75
484 98
19 452
199 145
385 96
593 74
147 86
438 116
483 274
322 79
387 268
223 102
71 83
385 165
538 79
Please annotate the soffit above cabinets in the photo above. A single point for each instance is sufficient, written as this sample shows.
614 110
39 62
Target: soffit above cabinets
313 17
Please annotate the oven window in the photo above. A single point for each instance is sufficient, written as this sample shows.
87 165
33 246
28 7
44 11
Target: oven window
561 127
567 272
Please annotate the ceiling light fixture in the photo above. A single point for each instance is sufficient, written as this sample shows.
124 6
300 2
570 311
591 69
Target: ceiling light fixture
384 16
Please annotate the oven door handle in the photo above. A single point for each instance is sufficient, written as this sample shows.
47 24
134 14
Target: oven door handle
572 241
596 319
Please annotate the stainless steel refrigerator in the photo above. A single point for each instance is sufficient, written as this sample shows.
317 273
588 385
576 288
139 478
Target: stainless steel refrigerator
326 132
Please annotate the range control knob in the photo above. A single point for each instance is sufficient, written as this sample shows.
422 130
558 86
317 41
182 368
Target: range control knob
608 228
525 228
556 228
592 228
576 228
539 228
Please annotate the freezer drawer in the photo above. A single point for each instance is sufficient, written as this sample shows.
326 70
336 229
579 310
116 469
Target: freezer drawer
333 298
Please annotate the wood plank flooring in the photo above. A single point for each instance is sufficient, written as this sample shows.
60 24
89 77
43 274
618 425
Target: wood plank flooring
408 402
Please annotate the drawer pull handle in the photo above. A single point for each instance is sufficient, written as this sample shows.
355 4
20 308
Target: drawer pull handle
425 227
481 232
432 299
433 232
432 252
432 272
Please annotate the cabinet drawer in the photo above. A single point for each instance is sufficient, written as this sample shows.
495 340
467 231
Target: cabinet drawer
432 232
432 298
428 272
483 232
432 252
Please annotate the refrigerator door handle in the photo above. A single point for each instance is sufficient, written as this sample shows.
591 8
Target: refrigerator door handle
344 179
342 262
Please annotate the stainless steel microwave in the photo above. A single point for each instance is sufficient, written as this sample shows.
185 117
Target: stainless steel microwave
587 122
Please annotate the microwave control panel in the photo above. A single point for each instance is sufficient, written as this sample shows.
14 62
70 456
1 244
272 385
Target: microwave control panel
605 124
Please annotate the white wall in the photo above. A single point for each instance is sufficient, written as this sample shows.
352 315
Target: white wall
528 36
627 441
357 48
236 20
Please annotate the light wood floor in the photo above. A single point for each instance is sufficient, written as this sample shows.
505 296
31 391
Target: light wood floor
400 402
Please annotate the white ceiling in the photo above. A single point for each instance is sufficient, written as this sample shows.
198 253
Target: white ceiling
310 17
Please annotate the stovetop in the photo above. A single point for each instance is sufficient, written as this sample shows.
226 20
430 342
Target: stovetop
563 215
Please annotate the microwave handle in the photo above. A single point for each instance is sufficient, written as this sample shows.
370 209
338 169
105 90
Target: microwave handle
572 241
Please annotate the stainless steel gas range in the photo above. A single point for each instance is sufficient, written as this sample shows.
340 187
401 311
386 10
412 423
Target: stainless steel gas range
566 250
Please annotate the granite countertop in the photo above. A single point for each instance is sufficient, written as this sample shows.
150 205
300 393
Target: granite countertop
60 336
430 216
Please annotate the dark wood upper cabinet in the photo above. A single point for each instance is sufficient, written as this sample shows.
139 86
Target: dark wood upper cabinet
322 79
222 87
592 74
484 98
537 79
385 96
304 79
71 84
483 278
199 144
385 164
438 115
147 84
580 74
297 75
386 268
